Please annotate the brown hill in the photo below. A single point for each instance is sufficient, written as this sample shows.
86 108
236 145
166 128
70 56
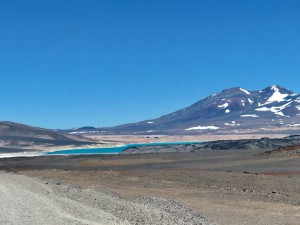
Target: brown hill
16 137
290 150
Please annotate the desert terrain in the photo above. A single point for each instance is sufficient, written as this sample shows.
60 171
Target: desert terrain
30 201
126 139
229 187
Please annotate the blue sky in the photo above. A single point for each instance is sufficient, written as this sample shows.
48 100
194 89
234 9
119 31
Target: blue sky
69 63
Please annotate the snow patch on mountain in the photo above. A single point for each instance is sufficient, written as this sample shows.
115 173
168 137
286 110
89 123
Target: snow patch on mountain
233 123
227 111
272 109
225 105
276 110
203 128
250 101
243 90
249 115
276 97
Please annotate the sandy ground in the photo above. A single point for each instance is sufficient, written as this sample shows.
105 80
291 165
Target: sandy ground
228 187
125 139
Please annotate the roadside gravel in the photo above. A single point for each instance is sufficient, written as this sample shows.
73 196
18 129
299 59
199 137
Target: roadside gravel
30 201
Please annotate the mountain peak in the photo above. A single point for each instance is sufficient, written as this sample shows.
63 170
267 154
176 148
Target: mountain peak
275 87
235 90
229 111
278 88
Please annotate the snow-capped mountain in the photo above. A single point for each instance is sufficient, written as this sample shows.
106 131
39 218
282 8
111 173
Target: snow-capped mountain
232 110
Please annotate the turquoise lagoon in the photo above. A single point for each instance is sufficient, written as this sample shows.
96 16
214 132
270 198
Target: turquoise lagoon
114 150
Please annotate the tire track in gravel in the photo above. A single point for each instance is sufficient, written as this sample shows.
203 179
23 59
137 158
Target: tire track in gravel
33 201
37 204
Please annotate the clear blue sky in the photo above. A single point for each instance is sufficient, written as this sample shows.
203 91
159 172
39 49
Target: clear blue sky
69 63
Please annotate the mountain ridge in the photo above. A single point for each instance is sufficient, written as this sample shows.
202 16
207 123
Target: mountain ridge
15 137
232 110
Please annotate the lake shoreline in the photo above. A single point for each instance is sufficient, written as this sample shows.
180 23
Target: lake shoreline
117 149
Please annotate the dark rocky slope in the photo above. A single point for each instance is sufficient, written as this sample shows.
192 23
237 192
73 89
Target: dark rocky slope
246 144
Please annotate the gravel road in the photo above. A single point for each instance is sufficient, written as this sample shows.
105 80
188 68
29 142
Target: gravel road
31 201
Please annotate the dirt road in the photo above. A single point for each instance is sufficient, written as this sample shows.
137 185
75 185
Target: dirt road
26 201
31 201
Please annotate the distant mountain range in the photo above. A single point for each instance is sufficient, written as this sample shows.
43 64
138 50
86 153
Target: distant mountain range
234 110
16 137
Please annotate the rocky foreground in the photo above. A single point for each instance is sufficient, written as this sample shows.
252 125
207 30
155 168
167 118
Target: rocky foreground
231 187
265 144
290 150
30 201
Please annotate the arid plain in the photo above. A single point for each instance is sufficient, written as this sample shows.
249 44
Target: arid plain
229 187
